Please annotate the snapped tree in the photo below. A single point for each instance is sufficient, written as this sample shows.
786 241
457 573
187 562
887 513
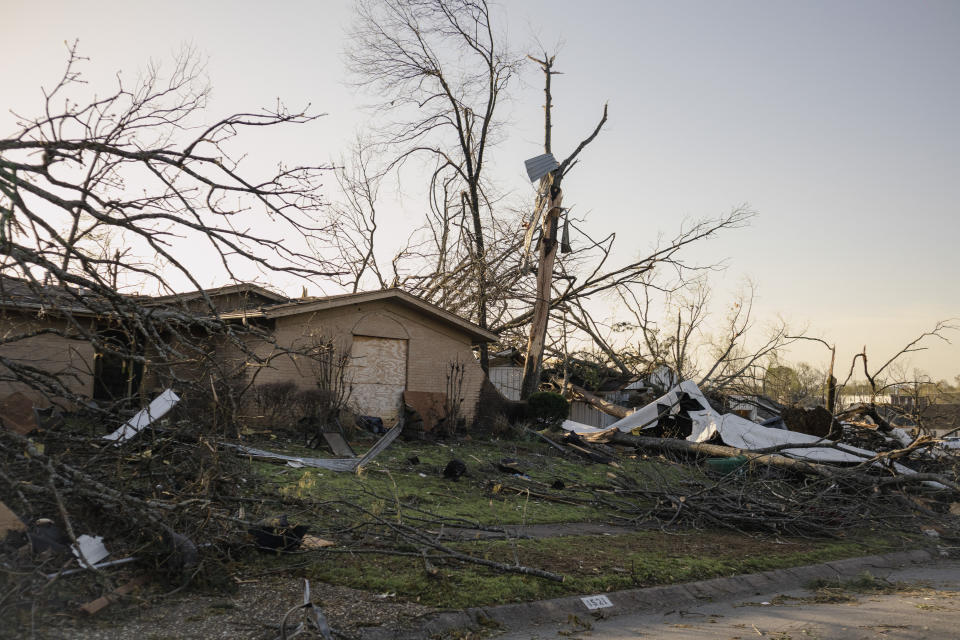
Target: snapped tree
439 70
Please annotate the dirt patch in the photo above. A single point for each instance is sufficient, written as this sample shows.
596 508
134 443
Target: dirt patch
548 530
252 613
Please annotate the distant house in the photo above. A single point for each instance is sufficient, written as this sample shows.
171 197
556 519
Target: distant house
35 333
753 407
506 372
941 419
395 342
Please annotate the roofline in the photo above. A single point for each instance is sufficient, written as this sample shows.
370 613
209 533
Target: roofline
224 290
50 309
333 302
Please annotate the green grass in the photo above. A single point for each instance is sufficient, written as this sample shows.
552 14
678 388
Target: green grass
390 477
589 565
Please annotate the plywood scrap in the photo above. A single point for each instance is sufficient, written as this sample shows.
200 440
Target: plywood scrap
429 405
102 602
313 542
9 522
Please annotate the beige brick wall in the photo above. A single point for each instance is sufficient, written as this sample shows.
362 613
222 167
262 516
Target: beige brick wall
72 360
432 346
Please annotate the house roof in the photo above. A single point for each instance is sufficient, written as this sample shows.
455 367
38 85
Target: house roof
244 287
311 305
19 293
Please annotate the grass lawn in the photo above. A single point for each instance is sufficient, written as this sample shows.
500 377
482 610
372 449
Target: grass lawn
394 488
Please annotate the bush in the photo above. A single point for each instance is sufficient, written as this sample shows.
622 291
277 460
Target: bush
273 401
547 409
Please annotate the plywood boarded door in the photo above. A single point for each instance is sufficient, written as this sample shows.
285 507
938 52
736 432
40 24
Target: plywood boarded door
379 375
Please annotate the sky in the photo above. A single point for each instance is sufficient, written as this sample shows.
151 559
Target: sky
836 121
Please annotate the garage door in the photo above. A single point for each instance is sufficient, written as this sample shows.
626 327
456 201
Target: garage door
378 370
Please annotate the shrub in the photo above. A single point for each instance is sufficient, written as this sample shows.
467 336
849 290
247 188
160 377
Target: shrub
547 409
273 401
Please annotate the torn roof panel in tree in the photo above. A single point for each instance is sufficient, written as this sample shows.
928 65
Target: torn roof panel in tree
540 166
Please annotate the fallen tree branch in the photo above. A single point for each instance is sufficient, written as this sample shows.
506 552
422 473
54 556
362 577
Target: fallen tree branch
417 536
609 408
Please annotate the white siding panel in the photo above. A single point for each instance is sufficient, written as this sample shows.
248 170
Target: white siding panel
585 414
507 380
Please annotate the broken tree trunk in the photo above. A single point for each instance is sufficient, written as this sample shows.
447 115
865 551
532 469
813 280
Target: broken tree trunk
541 307
771 459
548 238
721 451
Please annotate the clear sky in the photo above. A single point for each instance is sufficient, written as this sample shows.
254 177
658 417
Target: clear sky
837 121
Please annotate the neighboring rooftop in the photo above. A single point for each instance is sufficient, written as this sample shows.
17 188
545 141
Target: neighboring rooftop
242 289
309 305
243 300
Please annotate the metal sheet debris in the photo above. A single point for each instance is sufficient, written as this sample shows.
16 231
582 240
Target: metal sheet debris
99 565
732 429
89 550
160 406
313 616
338 445
540 166
331 464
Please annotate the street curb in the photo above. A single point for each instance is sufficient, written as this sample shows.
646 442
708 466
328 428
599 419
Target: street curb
651 599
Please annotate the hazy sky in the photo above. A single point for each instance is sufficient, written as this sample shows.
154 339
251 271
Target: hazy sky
837 121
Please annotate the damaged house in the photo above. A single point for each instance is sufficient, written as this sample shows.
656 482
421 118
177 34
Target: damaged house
396 346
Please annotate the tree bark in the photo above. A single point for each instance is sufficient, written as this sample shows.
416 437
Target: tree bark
541 308
721 451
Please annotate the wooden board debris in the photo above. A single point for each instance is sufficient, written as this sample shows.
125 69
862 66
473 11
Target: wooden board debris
338 445
102 602
9 521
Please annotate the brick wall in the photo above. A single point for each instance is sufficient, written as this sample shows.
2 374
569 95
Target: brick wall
72 360
432 346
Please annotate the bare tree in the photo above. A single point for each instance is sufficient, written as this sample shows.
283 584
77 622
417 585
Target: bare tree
139 169
353 221
441 73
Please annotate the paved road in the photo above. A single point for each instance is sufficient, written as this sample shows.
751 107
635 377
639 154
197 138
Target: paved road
929 609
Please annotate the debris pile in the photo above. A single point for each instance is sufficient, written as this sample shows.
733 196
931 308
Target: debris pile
842 475
91 514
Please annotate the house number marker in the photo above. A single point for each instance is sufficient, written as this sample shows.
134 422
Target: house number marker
596 602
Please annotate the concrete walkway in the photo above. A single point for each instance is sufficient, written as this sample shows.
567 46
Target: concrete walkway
928 609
